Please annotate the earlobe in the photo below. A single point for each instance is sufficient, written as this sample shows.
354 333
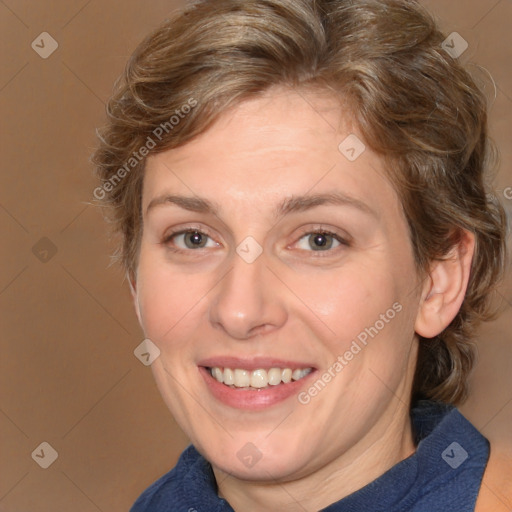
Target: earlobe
445 288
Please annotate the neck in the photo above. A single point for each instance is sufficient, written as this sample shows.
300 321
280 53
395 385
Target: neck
381 449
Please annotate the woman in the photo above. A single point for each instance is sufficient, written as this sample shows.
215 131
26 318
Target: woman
309 243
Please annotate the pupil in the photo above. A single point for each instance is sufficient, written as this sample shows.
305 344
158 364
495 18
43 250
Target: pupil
320 240
195 239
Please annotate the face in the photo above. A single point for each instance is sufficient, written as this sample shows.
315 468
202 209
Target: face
273 261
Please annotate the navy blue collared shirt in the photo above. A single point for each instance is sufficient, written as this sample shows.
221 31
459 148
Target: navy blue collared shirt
443 475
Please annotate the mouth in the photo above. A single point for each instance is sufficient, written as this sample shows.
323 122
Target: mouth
254 384
259 379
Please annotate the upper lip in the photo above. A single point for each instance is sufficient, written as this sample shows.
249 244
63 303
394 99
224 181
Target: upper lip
254 363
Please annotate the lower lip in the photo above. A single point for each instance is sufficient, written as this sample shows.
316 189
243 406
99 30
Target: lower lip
252 399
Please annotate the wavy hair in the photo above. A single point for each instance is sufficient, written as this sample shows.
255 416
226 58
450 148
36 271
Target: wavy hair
416 106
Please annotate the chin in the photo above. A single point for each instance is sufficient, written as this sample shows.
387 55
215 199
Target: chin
257 461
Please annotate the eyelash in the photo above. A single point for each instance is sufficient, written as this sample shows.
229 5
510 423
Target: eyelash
342 241
317 231
168 238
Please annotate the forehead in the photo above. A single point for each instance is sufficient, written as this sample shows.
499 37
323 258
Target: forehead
280 144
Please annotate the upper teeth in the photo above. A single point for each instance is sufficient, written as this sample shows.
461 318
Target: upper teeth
258 378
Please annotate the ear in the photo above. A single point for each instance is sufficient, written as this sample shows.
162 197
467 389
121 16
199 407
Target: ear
132 280
445 288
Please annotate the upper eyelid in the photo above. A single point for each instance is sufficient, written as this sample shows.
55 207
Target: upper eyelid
181 231
342 239
168 237
304 232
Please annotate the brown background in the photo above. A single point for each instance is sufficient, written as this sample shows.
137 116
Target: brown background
68 375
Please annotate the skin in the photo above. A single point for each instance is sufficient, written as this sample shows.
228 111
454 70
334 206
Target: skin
292 302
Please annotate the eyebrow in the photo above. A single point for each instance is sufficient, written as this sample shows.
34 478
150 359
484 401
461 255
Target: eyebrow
306 202
192 204
289 205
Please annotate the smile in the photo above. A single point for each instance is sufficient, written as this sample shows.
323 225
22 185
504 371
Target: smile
254 383
257 379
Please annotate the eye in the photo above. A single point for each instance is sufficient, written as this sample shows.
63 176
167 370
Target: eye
190 239
320 241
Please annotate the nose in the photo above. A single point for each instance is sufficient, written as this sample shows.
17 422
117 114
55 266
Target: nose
247 301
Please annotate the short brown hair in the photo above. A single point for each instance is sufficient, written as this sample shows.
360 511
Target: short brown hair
414 104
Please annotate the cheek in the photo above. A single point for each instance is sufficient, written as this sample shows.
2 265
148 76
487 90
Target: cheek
167 300
347 299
